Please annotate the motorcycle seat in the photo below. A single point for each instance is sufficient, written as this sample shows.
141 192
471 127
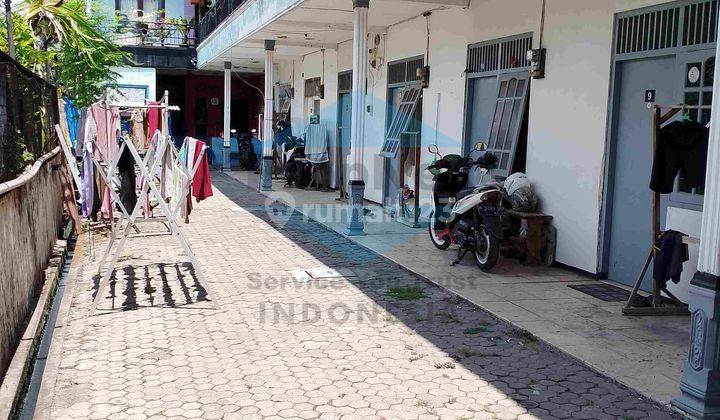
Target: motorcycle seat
465 192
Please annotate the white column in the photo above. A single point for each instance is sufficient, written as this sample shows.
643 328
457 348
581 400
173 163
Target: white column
700 381
359 91
268 111
356 184
709 255
227 100
266 178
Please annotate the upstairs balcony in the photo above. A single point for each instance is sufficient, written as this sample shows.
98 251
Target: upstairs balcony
158 43
220 11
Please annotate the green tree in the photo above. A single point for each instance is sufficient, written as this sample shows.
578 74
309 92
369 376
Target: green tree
57 39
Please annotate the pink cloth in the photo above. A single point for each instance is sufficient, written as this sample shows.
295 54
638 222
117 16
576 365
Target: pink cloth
106 147
101 121
153 120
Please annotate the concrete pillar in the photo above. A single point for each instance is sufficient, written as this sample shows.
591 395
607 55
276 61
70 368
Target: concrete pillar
266 184
356 183
700 382
227 100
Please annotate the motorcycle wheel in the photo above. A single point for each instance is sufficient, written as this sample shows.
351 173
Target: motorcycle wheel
487 252
440 243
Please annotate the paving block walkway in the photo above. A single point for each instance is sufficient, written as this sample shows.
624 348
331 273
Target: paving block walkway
645 353
372 341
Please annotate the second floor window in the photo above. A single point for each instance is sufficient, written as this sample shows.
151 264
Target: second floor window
130 8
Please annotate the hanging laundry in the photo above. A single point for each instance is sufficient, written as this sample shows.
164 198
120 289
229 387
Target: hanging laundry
137 123
202 184
80 134
153 118
670 254
108 130
72 114
126 170
682 147
87 177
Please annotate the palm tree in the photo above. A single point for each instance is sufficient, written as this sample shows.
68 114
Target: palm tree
56 22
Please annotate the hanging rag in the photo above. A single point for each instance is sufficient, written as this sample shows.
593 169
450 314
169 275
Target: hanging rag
316 143
153 118
181 180
126 170
202 184
137 122
681 147
108 130
670 254
87 177
72 115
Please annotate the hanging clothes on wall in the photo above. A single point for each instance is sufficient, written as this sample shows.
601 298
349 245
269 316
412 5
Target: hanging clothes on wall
681 147
316 143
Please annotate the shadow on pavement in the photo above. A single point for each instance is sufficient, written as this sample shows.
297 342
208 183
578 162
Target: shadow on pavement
548 383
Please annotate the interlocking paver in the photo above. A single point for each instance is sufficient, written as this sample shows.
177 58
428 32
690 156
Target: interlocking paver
279 348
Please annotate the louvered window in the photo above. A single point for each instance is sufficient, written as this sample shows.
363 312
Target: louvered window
507 120
401 120
678 24
501 54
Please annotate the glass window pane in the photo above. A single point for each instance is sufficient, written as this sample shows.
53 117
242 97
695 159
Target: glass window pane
503 89
511 88
709 72
505 133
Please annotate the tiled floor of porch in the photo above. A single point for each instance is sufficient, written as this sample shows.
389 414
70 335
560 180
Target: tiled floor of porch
645 353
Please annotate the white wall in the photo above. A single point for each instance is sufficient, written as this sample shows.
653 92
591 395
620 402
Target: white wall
568 109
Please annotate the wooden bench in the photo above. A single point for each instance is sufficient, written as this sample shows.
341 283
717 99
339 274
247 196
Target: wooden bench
536 238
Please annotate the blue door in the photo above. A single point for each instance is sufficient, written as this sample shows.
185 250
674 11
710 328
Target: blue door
630 210
344 123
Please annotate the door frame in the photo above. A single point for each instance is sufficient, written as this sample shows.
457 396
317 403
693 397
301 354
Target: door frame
338 128
388 117
606 202
467 142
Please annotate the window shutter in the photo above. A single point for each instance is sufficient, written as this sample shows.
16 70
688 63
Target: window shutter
507 120
401 120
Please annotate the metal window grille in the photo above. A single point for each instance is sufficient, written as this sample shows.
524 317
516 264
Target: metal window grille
405 71
500 54
345 81
507 120
401 120
678 24
312 87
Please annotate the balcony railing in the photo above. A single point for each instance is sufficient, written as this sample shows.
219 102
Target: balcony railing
160 33
215 16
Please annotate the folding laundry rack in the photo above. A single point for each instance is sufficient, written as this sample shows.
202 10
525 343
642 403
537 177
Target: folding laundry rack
147 167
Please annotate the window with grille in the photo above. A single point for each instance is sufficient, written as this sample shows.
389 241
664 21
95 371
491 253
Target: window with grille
401 120
500 54
345 81
678 24
507 120
404 71
312 87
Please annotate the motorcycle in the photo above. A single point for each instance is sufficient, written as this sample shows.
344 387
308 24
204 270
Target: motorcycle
467 212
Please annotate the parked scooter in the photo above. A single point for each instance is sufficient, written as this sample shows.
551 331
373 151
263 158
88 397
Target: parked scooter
467 212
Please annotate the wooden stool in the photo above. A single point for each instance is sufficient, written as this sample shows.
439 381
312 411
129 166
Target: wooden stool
536 239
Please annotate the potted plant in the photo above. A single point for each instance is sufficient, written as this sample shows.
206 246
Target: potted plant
183 27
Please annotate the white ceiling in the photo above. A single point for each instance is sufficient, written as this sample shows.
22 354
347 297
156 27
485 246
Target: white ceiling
317 24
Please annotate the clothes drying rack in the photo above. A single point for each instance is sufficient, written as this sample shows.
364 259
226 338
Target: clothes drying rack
148 167
659 305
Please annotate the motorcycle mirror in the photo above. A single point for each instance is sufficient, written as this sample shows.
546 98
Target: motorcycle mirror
433 149
480 146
